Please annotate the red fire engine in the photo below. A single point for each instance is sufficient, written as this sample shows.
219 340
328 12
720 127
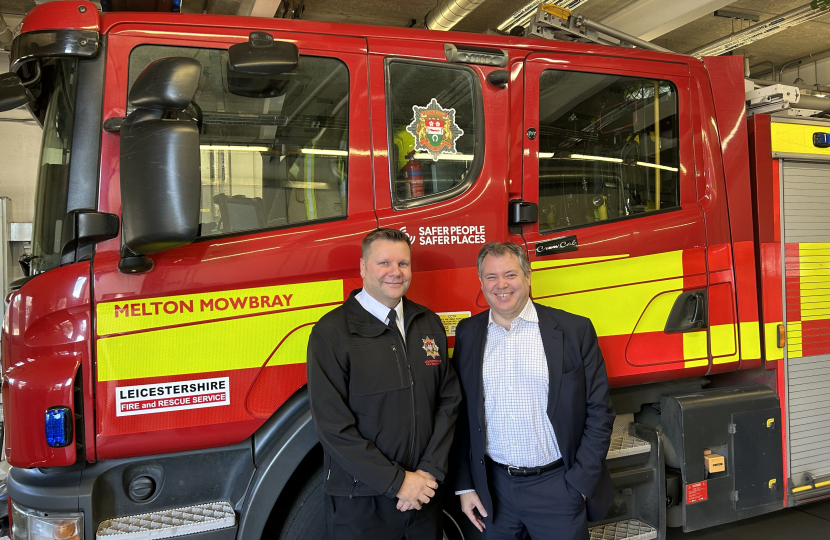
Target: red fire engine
204 185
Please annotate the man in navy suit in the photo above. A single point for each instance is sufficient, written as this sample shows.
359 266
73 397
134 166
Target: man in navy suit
536 421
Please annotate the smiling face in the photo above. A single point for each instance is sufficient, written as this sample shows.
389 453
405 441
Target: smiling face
386 271
506 288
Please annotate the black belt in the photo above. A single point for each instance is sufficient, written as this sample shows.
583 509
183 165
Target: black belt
512 470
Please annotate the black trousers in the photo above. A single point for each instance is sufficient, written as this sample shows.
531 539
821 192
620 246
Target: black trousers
544 506
377 518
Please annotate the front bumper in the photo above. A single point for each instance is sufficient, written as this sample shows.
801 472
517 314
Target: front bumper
114 489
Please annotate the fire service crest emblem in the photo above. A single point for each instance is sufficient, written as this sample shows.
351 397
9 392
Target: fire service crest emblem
434 129
431 349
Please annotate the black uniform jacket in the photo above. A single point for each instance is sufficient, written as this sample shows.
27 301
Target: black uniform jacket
579 407
380 408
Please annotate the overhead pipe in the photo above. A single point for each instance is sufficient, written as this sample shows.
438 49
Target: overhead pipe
448 13
785 66
761 30
814 57
622 36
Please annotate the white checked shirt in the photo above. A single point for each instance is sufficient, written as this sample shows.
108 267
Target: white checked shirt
516 394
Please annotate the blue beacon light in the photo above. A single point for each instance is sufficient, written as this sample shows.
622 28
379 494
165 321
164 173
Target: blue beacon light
58 426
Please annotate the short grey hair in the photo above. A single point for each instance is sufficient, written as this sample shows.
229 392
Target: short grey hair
392 235
500 249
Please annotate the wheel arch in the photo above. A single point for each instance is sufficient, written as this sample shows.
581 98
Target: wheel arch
279 447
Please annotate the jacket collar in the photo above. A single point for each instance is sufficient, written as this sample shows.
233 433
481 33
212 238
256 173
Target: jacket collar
363 323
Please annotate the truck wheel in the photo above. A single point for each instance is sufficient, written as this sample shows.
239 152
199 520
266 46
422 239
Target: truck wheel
307 519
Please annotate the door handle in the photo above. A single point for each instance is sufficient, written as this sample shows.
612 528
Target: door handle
522 212
688 312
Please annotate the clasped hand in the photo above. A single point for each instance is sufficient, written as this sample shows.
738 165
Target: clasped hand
418 488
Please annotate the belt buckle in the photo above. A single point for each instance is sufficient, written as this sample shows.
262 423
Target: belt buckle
510 472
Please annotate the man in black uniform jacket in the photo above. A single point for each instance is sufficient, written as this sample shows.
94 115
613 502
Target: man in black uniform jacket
384 398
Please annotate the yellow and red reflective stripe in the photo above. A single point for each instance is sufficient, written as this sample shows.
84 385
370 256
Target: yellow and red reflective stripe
541 265
795 139
750 337
239 343
808 298
622 287
608 274
151 313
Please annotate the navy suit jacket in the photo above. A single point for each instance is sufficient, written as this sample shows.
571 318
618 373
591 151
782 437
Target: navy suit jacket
579 407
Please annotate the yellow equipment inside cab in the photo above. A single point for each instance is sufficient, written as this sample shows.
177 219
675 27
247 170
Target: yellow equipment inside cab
405 143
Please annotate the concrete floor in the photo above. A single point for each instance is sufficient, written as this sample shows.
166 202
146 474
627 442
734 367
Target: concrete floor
808 522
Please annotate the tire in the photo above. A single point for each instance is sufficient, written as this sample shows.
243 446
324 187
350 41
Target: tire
307 518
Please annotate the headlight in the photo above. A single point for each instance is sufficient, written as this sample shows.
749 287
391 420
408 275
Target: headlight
28 524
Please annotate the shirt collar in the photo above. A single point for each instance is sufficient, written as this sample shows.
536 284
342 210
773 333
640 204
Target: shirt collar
528 314
377 309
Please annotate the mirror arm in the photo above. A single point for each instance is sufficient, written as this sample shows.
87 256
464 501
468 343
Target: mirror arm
134 263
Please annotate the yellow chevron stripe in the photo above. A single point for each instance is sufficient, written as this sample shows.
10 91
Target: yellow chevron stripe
794 339
657 313
795 138
724 344
612 273
695 347
212 346
814 275
540 265
750 333
613 311
148 313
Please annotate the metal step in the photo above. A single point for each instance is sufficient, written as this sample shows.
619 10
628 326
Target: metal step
623 444
169 523
629 529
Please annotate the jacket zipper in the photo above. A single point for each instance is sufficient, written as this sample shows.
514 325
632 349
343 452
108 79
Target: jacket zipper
354 485
398 361
411 402
412 426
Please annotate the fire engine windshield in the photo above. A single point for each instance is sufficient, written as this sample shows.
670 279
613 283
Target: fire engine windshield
607 148
52 191
274 149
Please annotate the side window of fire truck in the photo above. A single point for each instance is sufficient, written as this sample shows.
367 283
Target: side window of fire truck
274 148
435 132
607 148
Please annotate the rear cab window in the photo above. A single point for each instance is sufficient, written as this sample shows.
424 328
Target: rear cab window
608 148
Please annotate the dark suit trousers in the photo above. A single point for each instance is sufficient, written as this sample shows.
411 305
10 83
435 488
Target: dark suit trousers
377 518
544 506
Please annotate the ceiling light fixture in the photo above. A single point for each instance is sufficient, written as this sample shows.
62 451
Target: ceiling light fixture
656 166
596 158
763 29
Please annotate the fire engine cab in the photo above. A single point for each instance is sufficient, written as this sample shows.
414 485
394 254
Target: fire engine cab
204 185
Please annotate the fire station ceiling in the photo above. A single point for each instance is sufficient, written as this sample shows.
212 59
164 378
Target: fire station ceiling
678 25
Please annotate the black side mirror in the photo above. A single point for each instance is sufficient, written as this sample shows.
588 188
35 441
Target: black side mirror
12 92
160 179
84 228
261 55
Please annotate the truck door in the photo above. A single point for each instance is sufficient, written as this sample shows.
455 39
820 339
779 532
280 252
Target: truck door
608 157
201 349
440 146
